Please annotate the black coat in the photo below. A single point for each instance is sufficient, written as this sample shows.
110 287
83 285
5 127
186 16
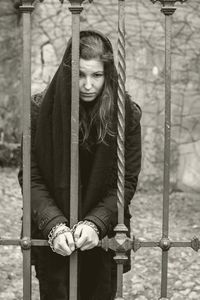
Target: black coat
99 205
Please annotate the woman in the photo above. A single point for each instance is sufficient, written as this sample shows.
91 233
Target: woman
50 172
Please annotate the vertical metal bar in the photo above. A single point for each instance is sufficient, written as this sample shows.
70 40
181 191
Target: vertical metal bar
168 9
121 110
121 228
74 184
167 135
166 184
119 294
26 9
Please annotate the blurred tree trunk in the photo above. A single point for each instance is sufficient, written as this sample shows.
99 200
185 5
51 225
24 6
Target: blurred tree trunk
10 74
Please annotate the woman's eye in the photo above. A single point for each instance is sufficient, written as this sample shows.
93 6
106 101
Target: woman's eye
98 75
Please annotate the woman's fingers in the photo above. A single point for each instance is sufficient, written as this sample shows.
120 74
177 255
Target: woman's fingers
87 246
64 244
77 233
60 246
81 240
85 237
70 241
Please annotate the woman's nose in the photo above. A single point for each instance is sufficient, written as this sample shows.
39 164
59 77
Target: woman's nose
88 84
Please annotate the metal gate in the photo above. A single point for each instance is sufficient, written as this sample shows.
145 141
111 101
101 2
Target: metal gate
121 243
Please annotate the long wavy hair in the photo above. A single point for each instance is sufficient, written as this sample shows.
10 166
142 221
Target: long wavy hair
94 45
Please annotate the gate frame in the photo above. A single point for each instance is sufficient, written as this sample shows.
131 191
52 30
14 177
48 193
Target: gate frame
120 243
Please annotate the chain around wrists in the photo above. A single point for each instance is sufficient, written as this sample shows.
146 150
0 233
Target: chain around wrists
53 234
85 222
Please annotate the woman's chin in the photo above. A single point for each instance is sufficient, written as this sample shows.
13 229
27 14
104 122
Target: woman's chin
88 99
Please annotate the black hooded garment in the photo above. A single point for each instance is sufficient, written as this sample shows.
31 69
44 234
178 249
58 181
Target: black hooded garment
50 185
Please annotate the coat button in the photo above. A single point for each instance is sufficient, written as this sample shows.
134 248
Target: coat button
41 224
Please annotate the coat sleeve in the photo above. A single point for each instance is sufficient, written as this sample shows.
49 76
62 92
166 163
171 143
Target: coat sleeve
105 213
44 212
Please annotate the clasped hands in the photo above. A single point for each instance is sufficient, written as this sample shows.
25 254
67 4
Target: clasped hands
84 237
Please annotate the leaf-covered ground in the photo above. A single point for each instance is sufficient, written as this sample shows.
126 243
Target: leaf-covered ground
143 281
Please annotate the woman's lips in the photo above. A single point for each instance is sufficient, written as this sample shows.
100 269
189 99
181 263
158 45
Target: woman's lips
87 94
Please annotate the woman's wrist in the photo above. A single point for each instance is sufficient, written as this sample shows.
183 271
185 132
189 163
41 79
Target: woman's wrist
88 223
62 228
55 232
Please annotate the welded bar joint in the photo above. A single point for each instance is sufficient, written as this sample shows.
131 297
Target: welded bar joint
195 244
25 243
26 6
165 244
168 5
168 2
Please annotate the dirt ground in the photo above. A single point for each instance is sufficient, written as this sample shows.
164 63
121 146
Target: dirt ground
143 281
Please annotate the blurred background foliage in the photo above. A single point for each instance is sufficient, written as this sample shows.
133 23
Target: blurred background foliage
51 28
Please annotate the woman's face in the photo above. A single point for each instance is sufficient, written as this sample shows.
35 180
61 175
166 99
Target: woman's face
91 79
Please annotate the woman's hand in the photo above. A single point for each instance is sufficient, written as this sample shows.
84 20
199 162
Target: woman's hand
63 244
85 237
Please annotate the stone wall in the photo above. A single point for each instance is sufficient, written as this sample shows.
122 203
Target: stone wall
145 73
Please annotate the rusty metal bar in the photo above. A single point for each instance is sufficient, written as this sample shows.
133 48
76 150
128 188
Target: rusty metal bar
26 10
168 11
121 110
121 228
75 9
165 227
166 183
111 244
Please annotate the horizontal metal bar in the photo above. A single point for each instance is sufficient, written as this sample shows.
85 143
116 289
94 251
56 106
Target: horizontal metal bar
39 243
7 242
149 244
142 244
152 244
18 242
181 244
173 244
